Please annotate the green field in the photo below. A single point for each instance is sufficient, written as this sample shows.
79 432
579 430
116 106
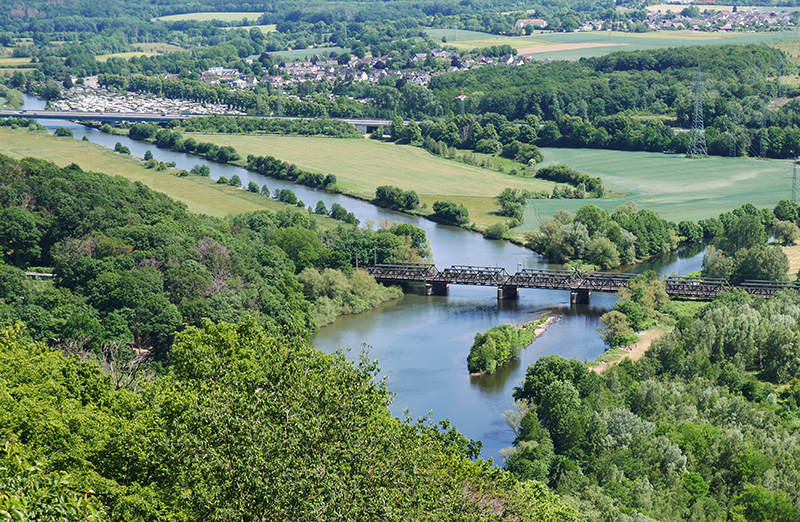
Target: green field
14 61
454 37
201 195
675 187
204 17
363 165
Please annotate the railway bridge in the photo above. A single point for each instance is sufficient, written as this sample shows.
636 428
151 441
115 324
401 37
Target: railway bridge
580 286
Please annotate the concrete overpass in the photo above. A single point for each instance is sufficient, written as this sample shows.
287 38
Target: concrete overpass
364 125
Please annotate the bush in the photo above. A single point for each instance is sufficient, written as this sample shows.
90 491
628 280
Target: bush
63 132
449 212
496 231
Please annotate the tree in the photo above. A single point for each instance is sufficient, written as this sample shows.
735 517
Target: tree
19 237
252 187
786 232
761 262
745 232
302 246
199 170
595 218
715 264
52 90
321 208
63 132
148 155
787 210
235 181
615 330
450 212
397 130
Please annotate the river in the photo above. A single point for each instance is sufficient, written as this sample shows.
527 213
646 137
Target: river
422 342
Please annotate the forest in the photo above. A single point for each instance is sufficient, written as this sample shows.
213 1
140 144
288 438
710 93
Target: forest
703 427
247 424
134 266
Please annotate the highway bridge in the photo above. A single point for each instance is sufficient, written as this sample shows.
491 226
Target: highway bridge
579 285
364 125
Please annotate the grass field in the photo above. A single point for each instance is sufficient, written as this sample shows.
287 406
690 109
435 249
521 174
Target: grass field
363 165
14 61
454 37
201 195
675 187
204 17
159 47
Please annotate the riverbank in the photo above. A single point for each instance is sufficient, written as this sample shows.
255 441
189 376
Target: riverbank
634 353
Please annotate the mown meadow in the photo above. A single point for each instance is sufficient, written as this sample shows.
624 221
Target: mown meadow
363 165
201 195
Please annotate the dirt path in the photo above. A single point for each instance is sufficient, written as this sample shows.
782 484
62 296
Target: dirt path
793 253
635 353
562 47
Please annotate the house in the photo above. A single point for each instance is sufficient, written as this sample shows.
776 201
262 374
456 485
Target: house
534 22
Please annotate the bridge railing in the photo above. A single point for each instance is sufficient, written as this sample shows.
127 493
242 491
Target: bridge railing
421 272
472 275
768 288
696 286
604 282
538 278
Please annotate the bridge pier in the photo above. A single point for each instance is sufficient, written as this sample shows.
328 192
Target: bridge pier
507 292
436 288
579 296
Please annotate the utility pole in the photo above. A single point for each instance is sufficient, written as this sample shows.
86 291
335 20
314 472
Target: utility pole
462 98
732 144
697 144
762 152
794 180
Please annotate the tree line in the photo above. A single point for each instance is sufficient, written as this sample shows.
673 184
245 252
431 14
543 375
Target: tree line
738 248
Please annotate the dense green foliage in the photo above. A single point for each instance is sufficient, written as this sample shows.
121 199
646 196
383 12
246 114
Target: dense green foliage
396 198
739 250
246 425
693 431
239 125
585 184
450 213
603 239
500 344
134 266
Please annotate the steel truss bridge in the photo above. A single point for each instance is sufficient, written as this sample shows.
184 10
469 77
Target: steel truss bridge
579 285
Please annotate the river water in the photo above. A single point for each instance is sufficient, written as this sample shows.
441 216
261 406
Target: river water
422 342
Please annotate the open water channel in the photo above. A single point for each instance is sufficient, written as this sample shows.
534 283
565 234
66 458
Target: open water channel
422 342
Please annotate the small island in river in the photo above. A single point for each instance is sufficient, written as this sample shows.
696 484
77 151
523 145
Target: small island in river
502 343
